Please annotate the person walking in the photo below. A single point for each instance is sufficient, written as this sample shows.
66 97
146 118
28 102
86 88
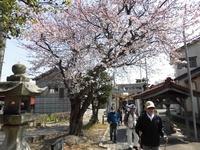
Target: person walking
120 114
149 127
130 120
113 119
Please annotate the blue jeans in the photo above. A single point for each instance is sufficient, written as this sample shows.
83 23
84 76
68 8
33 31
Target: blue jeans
113 131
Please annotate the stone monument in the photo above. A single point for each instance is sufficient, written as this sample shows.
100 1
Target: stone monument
17 92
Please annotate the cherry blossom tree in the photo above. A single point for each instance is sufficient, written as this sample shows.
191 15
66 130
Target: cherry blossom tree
97 36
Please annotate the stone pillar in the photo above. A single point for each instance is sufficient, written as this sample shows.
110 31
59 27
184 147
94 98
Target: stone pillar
14 139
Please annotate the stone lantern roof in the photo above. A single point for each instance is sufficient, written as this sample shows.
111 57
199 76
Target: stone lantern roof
19 84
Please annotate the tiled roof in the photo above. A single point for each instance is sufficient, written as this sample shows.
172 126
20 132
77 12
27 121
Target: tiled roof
46 73
168 87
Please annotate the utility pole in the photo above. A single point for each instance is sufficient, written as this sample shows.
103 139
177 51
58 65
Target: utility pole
146 70
189 77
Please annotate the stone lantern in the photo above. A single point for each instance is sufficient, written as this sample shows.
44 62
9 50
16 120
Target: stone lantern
17 92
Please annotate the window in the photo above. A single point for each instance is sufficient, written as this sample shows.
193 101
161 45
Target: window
53 90
192 61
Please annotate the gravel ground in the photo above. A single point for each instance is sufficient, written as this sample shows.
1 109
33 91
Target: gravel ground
89 141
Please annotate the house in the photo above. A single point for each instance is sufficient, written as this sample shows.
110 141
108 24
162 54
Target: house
56 100
181 76
193 55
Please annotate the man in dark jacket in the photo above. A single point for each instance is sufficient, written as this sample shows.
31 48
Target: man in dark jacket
149 127
113 119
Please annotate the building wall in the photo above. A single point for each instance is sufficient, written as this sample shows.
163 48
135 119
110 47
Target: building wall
56 100
51 103
196 86
193 51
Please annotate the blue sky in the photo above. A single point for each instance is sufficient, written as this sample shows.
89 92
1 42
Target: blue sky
13 55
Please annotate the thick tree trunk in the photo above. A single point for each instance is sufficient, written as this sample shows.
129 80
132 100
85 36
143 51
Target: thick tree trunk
76 117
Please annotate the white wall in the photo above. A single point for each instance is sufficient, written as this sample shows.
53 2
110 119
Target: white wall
193 50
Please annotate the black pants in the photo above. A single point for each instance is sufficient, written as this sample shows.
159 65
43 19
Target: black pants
113 132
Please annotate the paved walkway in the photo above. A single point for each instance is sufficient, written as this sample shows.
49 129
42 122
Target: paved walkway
121 139
176 141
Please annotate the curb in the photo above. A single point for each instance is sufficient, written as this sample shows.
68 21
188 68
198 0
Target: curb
104 137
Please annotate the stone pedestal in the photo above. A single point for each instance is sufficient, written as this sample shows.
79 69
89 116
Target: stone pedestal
14 139
14 126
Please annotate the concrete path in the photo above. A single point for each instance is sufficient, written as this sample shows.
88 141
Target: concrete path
176 141
121 140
